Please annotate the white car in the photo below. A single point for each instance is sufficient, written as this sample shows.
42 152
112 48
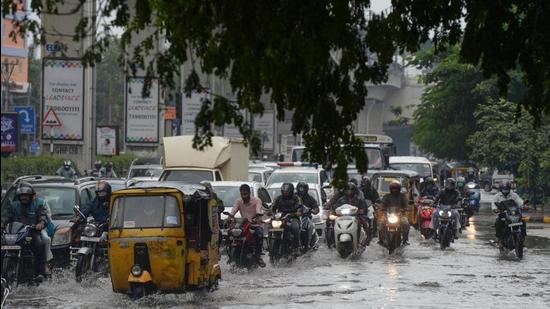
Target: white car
314 191
294 174
260 175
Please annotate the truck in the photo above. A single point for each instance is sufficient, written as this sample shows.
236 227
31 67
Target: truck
226 159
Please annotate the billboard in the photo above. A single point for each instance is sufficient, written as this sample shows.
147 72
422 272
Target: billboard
264 126
142 113
63 91
107 140
191 107
9 132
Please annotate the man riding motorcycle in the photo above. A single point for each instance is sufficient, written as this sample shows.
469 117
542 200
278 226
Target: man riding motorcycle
461 186
368 190
250 207
66 170
448 196
289 203
96 170
308 201
29 210
505 193
107 171
98 207
428 187
396 199
351 197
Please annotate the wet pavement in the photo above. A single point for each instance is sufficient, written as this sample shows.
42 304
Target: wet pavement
471 274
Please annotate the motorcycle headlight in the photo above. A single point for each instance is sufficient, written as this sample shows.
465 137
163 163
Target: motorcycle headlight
236 232
62 237
136 270
332 217
448 213
90 230
393 219
276 224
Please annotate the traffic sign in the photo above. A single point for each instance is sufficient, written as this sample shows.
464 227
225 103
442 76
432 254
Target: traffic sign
51 119
26 119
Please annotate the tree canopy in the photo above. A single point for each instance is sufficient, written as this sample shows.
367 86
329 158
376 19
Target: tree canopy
315 57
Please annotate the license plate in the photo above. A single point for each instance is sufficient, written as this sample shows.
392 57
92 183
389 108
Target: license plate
276 230
392 229
14 247
91 239
515 224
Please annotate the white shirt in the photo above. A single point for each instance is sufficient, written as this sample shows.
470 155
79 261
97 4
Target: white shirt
499 197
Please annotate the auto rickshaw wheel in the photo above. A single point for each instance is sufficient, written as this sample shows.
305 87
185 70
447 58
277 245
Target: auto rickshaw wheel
137 291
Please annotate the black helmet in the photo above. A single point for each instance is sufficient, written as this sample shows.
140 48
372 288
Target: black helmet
450 184
429 179
103 187
365 181
67 164
505 187
24 188
351 190
287 189
109 165
97 164
302 188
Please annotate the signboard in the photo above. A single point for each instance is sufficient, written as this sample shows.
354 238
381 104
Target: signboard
9 132
63 93
189 111
264 125
107 140
51 119
26 119
142 113
170 113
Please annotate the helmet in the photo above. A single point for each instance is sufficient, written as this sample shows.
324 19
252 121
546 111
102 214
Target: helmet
109 165
287 189
395 186
67 164
460 181
365 181
354 181
24 188
103 190
302 188
505 187
429 179
450 184
351 190
97 164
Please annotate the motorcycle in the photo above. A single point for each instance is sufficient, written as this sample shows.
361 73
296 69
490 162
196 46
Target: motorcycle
92 252
446 230
513 238
240 244
425 212
18 264
280 237
391 235
329 229
308 234
348 233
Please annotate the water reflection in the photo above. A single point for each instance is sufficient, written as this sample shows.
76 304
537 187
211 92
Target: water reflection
471 230
392 271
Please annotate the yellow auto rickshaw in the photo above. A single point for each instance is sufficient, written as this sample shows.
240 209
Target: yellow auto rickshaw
409 181
163 237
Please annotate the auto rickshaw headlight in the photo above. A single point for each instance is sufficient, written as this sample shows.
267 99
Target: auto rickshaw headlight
90 230
276 224
136 270
236 232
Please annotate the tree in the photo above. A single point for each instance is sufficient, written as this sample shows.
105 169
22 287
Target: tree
314 57
443 120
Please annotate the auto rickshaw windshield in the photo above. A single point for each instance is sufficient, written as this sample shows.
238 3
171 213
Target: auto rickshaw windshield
151 211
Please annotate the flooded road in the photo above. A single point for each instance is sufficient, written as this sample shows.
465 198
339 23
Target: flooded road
471 274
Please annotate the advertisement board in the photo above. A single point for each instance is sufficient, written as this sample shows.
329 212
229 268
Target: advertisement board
63 92
9 132
191 107
142 113
107 140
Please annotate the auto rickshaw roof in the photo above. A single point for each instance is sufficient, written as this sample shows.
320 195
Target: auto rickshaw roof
395 173
183 187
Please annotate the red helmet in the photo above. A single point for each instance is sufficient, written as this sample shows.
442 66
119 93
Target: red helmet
395 187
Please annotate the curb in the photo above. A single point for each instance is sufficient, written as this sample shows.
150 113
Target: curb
537 219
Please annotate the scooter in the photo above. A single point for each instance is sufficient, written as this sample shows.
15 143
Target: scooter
348 234
425 212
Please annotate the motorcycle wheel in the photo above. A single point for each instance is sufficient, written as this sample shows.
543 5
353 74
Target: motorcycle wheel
518 246
82 266
329 237
345 249
443 238
274 250
9 269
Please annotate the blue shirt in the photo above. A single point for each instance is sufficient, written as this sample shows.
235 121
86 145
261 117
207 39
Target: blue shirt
34 213
98 210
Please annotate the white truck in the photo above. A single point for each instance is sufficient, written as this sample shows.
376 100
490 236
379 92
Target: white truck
226 159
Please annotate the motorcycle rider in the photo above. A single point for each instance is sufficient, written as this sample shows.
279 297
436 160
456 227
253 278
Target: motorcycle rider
96 171
29 210
428 187
250 207
98 207
351 197
290 203
310 204
448 196
505 193
107 171
368 189
66 170
461 186
396 199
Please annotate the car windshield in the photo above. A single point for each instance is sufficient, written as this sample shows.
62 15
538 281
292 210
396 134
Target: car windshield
189 176
228 194
275 192
293 177
423 169
297 155
253 176
384 183
151 211
60 200
145 172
